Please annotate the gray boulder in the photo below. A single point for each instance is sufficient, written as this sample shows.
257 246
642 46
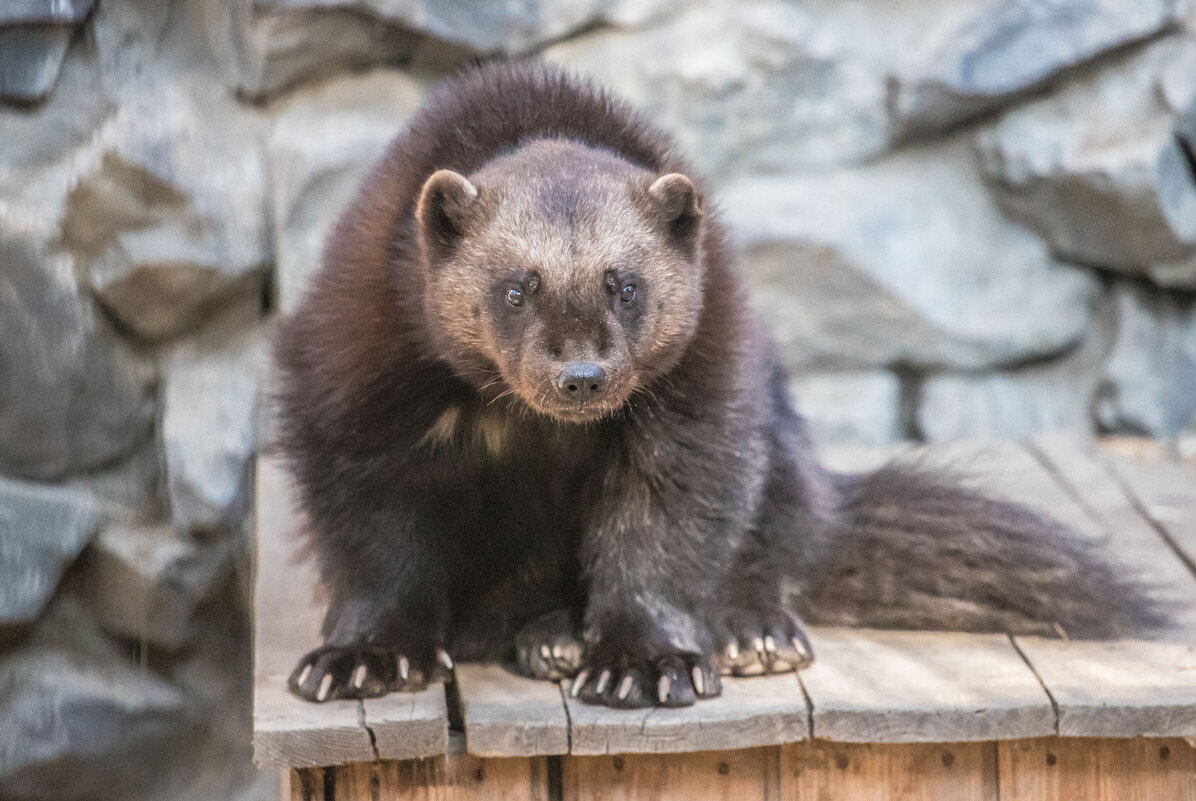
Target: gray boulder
34 36
321 143
30 58
743 86
209 428
1054 395
1099 171
81 723
1148 386
34 12
904 261
145 582
280 43
1011 48
168 215
42 531
73 398
855 408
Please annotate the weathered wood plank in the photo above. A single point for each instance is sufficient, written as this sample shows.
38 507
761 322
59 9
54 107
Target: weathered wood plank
409 725
287 730
1118 689
1129 540
751 712
899 687
1073 769
1130 688
508 715
866 772
456 777
743 775
1165 489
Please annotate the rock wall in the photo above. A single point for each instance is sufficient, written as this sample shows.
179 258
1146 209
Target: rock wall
960 218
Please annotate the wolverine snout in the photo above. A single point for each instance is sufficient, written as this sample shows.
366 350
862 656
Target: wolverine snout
581 381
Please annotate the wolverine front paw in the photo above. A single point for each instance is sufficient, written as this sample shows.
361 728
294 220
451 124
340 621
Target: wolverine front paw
364 670
549 647
673 680
756 643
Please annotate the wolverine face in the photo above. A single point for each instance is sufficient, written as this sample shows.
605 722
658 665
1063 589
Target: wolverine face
561 275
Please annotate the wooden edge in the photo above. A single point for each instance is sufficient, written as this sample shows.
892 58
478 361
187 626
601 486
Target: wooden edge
1118 689
765 710
408 725
910 687
507 715
290 732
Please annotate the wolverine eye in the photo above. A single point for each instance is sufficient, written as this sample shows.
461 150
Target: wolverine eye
514 297
627 293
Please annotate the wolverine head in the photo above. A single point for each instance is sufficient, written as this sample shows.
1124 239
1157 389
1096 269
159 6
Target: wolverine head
561 275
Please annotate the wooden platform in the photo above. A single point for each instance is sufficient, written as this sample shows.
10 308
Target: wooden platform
942 715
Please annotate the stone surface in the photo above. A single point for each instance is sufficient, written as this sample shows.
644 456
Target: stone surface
1098 170
42 531
1149 382
146 582
30 58
1010 48
170 216
209 418
1017 403
743 87
320 146
72 397
26 12
903 261
859 408
78 718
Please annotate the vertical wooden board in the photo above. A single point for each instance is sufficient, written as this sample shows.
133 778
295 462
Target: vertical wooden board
1132 541
1075 769
742 775
764 710
825 771
287 611
1165 488
897 686
303 784
456 777
507 715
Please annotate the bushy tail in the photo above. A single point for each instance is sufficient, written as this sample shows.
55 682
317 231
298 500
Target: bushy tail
920 551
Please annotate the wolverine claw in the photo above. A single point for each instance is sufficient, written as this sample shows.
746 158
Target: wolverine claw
678 681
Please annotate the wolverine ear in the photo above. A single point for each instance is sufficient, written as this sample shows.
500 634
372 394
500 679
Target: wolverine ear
446 204
678 199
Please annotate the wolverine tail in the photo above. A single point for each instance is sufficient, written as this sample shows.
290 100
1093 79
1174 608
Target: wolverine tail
918 550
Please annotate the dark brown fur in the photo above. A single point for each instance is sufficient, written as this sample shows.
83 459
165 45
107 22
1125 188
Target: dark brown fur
670 528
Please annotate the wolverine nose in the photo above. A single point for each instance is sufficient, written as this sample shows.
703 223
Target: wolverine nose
580 381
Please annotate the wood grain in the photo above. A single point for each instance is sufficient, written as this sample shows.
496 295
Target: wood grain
1074 769
743 775
508 715
897 687
1130 540
456 777
828 771
1118 689
758 711
1165 490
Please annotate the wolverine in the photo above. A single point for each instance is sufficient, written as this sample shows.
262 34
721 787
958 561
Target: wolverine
531 416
